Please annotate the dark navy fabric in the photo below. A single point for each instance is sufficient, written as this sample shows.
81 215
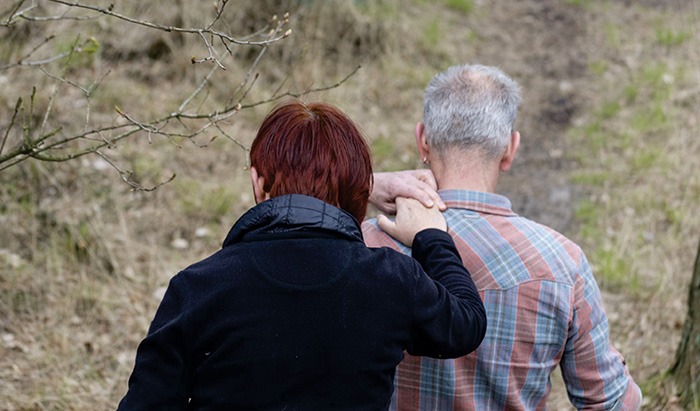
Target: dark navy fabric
296 313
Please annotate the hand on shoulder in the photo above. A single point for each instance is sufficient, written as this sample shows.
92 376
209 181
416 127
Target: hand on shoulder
417 184
411 218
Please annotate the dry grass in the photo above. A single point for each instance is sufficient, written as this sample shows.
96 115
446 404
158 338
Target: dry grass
640 155
83 259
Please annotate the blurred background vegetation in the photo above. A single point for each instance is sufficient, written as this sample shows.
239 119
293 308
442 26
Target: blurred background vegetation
610 155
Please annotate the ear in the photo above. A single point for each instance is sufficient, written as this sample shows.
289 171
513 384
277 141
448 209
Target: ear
258 186
509 153
422 143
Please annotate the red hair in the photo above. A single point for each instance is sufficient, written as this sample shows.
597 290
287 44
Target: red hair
316 150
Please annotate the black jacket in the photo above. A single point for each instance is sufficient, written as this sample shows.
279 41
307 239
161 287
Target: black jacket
296 313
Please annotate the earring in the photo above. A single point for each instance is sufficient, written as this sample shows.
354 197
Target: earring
424 160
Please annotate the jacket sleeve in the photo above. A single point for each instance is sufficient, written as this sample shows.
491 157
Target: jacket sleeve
594 372
160 380
449 316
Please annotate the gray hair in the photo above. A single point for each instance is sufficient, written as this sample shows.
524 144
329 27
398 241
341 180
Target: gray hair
471 106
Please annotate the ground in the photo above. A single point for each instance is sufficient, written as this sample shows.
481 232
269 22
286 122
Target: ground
84 259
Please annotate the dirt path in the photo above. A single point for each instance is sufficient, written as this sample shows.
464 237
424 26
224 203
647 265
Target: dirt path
544 48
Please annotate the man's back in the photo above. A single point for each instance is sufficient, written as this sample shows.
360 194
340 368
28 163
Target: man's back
543 308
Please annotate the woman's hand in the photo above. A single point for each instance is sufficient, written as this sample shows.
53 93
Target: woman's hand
411 218
418 184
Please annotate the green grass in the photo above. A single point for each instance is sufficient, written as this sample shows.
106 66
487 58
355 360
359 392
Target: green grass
587 213
380 9
464 6
675 216
670 37
613 270
630 93
432 34
590 178
202 202
598 67
579 3
650 119
595 136
612 35
624 152
390 156
609 109
645 159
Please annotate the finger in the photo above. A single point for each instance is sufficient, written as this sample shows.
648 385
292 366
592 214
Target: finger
386 225
435 197
389 209
422 194
427 177
430 187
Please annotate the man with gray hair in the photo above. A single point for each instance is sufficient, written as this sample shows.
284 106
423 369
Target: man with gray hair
543 305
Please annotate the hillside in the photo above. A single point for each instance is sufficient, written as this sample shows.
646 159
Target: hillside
609 155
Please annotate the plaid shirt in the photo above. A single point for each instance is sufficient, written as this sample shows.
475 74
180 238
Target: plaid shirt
544 310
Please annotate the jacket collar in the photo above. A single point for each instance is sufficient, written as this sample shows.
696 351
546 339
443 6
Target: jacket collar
294 215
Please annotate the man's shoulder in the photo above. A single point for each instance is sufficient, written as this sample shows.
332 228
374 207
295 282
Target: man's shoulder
549 235
520 229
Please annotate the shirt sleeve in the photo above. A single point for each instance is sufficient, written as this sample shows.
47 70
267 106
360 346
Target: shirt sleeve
595 373
160 379
449 316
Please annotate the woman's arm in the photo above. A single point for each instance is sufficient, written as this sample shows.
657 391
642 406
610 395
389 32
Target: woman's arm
449 316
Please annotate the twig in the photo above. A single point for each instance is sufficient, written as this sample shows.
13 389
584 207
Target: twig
12 123
303 93
225 113
27 129
211 53
111 13
246 78
49 107
13 13
196 91
235 141
219 12
23 151
57 18
63 80
29 54
23 15
125 175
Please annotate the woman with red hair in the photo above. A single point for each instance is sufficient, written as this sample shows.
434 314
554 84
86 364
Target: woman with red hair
295 312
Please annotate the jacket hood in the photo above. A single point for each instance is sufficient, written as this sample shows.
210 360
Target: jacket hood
294 215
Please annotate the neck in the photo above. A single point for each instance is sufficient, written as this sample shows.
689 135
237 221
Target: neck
465 170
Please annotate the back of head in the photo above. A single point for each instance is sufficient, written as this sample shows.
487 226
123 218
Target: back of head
316 150
471 106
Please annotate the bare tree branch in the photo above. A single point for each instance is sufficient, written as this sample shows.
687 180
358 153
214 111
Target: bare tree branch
39 129
126 175
18 105
109 12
